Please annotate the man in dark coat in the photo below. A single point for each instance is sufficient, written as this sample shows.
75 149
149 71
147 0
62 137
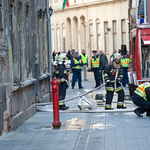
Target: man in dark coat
103 64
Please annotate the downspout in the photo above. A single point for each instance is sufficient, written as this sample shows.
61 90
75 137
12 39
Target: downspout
136 12
49 43
145 10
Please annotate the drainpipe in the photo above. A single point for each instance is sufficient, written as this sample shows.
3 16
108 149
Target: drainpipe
136 12
145 10
49 43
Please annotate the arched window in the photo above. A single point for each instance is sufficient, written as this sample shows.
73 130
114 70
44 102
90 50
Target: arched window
98 31
91 35
63 37
58 37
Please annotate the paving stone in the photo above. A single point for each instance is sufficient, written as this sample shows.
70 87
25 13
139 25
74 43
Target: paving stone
107 131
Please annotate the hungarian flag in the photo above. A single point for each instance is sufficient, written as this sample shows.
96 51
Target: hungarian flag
66 2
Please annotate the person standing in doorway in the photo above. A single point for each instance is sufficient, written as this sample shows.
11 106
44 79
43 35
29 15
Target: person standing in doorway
103 64
84 59
95 66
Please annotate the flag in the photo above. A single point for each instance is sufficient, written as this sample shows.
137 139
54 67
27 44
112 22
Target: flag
66 2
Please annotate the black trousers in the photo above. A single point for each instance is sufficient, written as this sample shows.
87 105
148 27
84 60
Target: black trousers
96 76
109 96
144 105
62 90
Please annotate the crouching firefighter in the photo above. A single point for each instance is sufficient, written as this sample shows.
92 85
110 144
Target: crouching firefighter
61 74
141 98
114 72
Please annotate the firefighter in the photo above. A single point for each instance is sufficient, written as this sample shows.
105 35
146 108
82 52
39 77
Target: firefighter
141 98
62 75
76 64
125 65
114 72
95 67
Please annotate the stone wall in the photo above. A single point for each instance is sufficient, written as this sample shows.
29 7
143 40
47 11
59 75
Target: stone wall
24 78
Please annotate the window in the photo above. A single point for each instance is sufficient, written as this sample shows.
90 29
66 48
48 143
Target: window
63 36
114 26
123 31
53 43
106 37
91 37
58 40
98 37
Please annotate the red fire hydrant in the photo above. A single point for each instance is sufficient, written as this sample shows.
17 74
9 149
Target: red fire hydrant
55 94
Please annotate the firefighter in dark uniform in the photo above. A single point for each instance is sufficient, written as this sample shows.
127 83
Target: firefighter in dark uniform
141 98
114 72
62 75
95 67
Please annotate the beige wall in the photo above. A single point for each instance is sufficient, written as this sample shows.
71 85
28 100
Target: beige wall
81 14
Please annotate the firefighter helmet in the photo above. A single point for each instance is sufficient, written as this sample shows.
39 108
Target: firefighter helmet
117 56
62 57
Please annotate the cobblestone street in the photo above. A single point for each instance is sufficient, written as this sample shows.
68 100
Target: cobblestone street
101 131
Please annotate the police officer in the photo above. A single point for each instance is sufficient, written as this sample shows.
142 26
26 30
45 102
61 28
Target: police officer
95 66
125 65
141 98
84 59
61 74
114 72
76 64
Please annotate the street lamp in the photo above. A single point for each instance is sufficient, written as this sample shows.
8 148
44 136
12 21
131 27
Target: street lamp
50 11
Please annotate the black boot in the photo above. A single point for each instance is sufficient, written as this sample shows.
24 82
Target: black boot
62 107
138 113
109 108
121 107
148 113
66 107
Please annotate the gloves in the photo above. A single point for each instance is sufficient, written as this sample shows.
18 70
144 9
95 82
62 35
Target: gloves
117 80
107 81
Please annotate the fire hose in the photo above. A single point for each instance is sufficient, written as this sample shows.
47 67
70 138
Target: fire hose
62 101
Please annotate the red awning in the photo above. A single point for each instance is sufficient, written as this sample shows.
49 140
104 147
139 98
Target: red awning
146 39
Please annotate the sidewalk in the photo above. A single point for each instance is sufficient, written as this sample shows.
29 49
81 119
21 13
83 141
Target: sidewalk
101 131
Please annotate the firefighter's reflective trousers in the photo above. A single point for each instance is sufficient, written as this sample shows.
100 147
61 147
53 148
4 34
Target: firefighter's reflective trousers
109 97
62 91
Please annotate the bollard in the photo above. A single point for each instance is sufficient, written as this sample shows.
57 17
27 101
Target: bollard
55 94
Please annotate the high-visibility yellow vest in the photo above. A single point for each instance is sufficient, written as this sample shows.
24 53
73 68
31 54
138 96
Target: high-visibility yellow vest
95 62
140 90
77 62
84 58
125 62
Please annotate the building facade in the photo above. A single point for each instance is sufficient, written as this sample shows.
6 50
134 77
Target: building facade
90 24
24 77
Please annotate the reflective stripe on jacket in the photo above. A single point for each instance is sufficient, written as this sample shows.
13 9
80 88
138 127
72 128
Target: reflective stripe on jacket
95 62
125 62
77 62
84 58
140 90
